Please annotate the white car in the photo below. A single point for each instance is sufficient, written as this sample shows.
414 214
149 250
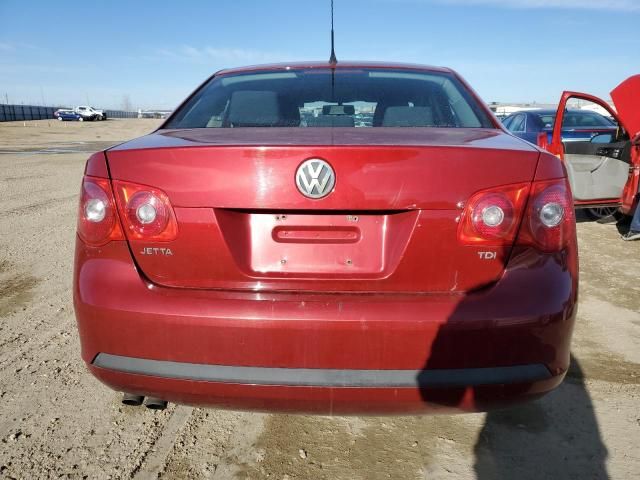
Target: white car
90 113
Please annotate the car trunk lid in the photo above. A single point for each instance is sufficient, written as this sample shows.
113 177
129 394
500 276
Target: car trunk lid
626 98
390 224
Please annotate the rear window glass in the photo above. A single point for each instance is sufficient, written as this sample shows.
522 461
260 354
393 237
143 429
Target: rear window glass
517 124
547 119
312 98
585 120
577 119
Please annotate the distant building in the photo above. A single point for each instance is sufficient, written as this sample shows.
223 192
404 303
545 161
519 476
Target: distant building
153 113
598 109
504 109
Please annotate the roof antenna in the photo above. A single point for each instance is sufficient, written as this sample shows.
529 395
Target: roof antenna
332 59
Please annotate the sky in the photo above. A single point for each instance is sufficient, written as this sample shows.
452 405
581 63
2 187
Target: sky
152 54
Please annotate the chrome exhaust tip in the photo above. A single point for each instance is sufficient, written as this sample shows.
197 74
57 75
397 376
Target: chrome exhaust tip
155 403
132 400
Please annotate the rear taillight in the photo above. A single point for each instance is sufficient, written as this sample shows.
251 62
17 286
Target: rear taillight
491 217
550 221
97 218
146 212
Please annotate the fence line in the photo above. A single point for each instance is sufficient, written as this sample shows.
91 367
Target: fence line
12 113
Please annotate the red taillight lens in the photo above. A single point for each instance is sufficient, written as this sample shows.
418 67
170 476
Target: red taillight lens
542 140
550 224
97 219
491 217
146 212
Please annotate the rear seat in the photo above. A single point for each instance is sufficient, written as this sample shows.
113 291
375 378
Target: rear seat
257 108
408 117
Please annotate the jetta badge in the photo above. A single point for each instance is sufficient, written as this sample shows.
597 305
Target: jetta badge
315 178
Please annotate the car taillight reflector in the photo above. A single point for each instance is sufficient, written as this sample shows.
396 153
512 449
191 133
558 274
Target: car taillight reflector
491 217
542 140
550 222
97 219
146 212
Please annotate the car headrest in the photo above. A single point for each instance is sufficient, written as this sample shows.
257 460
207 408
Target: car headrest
252 108
408 117
330 121
289 115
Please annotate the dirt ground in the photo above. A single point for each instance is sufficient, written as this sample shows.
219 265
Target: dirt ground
57 421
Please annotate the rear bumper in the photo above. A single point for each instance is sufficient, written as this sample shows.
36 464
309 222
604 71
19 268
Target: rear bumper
330 353
330 400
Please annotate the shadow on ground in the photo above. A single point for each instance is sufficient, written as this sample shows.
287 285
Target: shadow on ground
553 437
622 222
556 437
623 225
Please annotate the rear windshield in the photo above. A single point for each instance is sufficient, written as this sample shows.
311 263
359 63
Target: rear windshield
359 98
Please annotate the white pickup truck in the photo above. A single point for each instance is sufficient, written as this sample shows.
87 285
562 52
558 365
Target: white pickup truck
90 113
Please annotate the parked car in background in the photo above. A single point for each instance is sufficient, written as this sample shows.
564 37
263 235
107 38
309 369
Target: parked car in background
90 113
604 170
579 125
420 260
67 114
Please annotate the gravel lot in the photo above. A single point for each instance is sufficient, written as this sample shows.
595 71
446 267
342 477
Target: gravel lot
58 421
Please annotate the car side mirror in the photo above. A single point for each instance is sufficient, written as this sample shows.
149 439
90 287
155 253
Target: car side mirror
602 138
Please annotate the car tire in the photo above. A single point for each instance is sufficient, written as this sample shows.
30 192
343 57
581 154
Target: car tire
602 212
59 119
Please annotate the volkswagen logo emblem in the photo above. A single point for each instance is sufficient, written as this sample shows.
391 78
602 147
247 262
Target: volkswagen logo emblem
315 178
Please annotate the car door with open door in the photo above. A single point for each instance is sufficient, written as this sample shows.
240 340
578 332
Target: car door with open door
602 170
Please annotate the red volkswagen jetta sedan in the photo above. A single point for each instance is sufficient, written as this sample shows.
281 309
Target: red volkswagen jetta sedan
331 238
